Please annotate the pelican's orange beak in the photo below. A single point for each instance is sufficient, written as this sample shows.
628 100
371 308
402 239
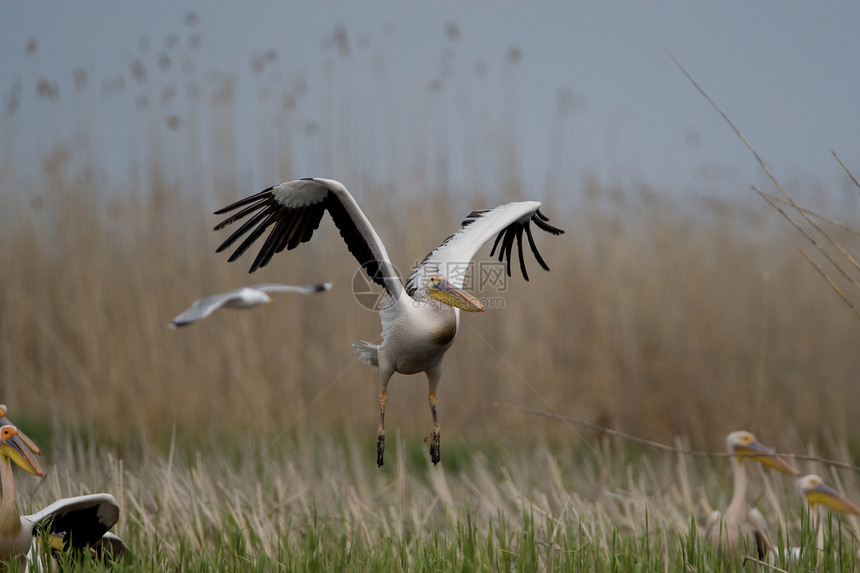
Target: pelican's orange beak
764 455
816 491
14 449
29 443
442 290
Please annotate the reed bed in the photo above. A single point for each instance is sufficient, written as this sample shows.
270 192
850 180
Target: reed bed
247 441
288 504
651 321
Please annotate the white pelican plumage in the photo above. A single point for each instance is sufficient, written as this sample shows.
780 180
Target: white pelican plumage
740 520
420 319
79 522
245 297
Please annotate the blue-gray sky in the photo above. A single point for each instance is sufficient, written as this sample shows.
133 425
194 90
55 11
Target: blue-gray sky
786 72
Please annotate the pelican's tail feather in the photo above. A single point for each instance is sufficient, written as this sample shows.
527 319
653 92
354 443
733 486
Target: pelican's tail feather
369 353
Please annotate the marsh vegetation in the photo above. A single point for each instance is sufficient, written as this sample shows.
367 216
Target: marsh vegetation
246 442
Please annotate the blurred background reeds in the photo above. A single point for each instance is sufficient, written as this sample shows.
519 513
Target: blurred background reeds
663 315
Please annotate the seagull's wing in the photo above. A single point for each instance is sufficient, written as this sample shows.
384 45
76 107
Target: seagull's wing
294 210
82 520
309 289
203 307
506 223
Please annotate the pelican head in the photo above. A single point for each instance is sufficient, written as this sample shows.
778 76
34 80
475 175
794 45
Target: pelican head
439 288
21 435
745 445
13 448
815 491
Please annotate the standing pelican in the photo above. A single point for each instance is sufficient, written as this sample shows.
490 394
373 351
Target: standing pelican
818 494
15 540
739 518
79 522
245 297
420 320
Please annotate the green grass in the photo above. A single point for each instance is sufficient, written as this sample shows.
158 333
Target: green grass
542 508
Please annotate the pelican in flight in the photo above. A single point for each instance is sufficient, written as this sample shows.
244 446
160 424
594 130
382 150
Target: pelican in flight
77 522
740 520
420 319
246 297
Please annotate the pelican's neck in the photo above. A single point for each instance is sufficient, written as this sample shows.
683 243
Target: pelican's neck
420 299
10 517
436 319
739 496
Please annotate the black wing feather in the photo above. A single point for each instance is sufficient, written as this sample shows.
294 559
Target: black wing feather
508 245
514 232
534 248
241 230
520 250
355 243
540 220
496 242
253 236
264 196
292 226
266 251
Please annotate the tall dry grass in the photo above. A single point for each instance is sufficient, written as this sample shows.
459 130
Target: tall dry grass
661 316
290 504
258 504
651 321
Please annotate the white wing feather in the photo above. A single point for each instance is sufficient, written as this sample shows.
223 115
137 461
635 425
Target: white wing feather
452 257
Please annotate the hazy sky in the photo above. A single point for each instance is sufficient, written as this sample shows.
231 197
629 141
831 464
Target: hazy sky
787 73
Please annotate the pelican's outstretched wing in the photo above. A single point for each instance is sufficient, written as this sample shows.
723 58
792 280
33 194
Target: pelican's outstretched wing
294 210
506 223
83 520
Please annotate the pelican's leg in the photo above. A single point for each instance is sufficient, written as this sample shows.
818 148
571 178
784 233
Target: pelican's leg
432 439
384 376
380 431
